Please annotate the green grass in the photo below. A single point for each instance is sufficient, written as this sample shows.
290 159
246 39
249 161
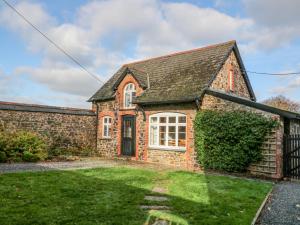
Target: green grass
113 195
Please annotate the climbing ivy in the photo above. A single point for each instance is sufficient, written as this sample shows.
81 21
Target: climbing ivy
230 141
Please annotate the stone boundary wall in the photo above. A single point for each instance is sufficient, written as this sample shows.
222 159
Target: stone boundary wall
61 127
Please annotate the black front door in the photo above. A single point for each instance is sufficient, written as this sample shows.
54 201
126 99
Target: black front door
128 135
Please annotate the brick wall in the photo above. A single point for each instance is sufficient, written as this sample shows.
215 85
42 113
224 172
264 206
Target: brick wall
66 126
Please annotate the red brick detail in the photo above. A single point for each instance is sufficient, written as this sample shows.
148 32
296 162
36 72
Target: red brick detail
184 159
230 78
122 112
146 138
120 90
101 115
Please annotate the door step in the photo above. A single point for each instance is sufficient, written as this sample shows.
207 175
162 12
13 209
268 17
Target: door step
124 157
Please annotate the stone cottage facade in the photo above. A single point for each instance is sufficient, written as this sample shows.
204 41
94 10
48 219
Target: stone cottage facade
146 110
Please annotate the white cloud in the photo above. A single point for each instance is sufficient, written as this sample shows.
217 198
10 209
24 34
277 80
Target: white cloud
270 13
103 31
291 85
276 22
204 24
159 27
36 14
68 80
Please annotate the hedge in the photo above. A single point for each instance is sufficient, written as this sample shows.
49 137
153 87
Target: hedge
230 141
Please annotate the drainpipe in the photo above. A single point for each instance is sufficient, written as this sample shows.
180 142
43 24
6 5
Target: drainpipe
197 100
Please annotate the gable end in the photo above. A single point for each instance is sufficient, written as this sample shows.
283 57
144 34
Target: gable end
240 74
133 73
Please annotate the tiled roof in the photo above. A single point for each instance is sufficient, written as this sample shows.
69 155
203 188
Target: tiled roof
176 77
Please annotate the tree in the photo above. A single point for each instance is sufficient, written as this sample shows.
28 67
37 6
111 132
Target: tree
282 102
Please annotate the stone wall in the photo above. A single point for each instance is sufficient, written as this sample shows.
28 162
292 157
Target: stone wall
61 127
111 147
221 80
107 147
271 165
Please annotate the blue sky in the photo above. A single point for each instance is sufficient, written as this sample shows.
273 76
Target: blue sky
103 35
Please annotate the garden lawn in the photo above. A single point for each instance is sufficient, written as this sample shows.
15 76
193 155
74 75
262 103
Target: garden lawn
113 196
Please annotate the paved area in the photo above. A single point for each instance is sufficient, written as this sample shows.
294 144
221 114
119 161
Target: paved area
71 165
157 203
283 206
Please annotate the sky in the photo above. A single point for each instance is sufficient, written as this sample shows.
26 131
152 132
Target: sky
103 35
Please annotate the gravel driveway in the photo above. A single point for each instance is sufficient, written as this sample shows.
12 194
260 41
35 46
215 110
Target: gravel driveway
43 166
283 206
71 165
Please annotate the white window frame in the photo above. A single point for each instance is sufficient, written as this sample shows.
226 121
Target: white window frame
167 124
130 89
108 125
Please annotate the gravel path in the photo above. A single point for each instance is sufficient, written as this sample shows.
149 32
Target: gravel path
284 205
71 165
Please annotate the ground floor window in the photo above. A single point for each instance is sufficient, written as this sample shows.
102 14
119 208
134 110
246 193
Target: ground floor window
167 130
107 127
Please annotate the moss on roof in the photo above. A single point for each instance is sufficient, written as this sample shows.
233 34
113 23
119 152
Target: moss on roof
174 77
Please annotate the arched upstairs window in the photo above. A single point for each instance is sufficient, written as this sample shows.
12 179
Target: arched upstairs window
167 130
129 94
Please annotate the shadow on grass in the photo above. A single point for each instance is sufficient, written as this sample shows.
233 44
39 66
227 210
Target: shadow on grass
113 196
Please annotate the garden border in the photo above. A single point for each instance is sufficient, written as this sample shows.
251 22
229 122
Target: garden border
262 206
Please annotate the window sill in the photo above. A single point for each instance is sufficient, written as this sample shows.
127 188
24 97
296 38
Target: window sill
167 149
126 109
105 138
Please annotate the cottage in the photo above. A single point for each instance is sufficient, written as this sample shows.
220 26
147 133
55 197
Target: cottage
146 110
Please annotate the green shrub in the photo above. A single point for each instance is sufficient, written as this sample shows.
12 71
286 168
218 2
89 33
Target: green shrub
30 157
71 151
230 141
3 156
15 145
28 142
